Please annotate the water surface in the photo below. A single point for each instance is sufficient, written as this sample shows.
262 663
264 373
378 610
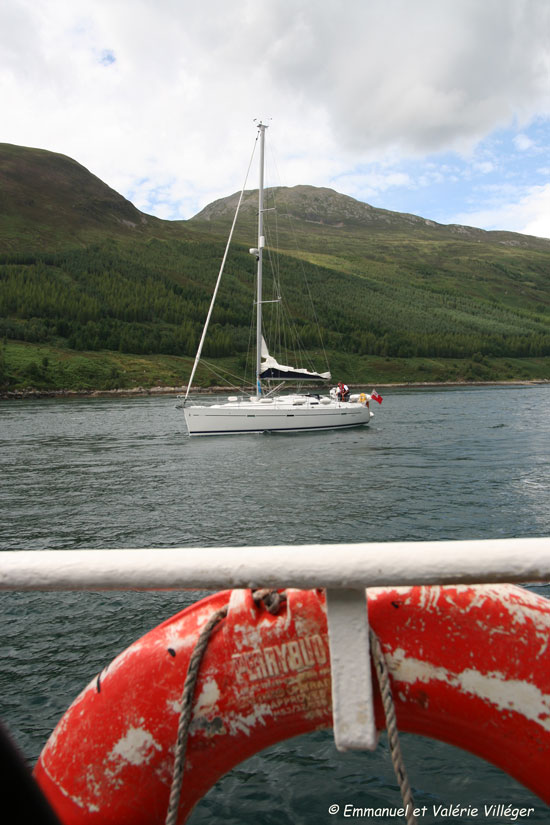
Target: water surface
435 464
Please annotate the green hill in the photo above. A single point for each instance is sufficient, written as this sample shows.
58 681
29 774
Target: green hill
94 292
324 227
47 200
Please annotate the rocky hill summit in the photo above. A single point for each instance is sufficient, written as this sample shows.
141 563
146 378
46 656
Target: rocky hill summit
328 208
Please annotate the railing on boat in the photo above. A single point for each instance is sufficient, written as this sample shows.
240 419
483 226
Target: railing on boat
344 570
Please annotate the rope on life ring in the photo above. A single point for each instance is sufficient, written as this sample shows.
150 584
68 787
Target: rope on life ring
468 665
272 599
382 672
185 713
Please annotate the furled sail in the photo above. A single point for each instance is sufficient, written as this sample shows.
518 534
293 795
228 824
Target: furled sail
270 368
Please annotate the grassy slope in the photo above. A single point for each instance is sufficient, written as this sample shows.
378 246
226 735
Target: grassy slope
50 202
44 367
402 251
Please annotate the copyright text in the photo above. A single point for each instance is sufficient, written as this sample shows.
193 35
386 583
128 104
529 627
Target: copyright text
491 811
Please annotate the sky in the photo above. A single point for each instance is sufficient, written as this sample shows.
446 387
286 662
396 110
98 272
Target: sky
440 108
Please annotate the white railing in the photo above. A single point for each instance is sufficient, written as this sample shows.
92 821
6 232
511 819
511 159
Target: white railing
334 566
345 570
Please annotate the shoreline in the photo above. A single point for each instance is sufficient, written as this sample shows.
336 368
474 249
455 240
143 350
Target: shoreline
143 392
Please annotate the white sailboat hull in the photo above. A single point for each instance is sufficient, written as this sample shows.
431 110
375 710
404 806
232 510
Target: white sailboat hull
283 414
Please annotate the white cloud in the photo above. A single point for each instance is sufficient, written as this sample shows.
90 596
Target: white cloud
528 213
157 97
485 167
523 142
369 185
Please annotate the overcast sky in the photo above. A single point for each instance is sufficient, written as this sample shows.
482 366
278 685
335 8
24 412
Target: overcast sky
436 107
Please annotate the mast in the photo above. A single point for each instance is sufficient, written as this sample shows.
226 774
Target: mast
261 243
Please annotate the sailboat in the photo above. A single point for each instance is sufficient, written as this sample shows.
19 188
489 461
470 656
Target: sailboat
266 411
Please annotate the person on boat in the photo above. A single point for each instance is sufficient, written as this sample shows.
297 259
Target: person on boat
343 392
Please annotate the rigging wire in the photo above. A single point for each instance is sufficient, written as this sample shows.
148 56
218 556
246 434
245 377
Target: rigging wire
284 328
226 372
300 262
205 328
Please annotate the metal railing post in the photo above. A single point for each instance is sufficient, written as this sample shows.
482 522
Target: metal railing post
352 697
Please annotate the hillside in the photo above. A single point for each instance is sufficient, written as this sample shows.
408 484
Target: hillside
83 271
408 277
49 201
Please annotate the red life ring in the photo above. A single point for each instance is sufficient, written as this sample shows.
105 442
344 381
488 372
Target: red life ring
470 665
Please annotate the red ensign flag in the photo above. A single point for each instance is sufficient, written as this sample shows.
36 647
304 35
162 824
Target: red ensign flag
376 397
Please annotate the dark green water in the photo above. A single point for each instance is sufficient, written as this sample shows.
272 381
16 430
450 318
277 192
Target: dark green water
435 464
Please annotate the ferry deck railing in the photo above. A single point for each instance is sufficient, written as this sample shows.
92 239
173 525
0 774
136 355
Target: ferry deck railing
345 571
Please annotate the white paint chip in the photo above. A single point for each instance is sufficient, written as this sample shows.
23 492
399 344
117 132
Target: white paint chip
136 747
